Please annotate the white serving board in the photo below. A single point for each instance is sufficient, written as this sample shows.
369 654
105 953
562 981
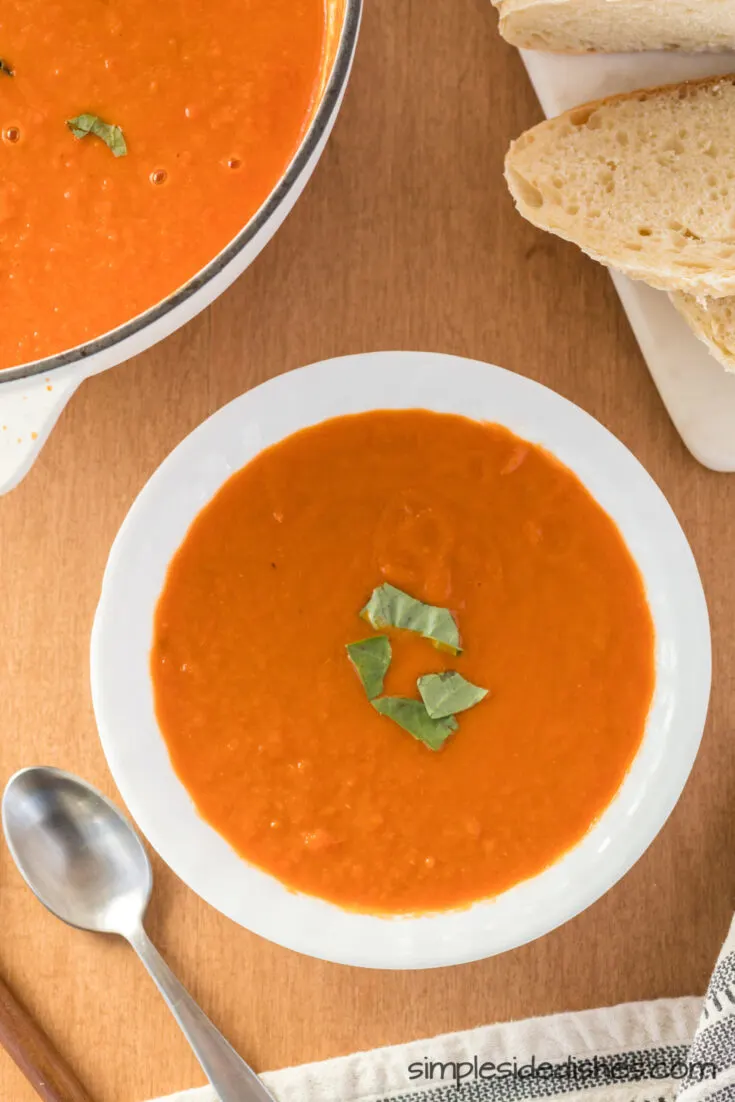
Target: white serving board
697 392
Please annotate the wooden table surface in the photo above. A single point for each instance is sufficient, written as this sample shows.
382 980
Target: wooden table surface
405 238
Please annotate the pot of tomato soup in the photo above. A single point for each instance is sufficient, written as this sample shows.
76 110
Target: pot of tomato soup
145 161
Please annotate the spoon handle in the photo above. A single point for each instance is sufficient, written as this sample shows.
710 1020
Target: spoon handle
34 1054
228 1073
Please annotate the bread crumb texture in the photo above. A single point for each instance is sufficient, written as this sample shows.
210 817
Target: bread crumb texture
713 321
611 26
643 182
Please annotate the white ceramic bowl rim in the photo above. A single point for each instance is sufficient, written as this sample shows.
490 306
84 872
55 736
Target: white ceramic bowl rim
328 103
156 525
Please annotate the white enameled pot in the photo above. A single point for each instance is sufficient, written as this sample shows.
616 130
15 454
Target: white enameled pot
33 395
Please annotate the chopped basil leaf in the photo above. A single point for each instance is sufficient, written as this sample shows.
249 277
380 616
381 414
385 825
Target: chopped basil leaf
412 716
7 69
389 607
111 135
371 658
445 694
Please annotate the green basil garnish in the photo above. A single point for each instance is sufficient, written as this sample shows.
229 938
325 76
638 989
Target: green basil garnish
389 607
371 659
111 135
445 694
412 716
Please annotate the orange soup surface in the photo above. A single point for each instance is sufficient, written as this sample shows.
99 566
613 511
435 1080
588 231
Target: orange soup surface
212 97
268 725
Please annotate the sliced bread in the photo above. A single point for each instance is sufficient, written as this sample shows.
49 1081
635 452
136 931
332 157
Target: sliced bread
713 321
610 26
643 182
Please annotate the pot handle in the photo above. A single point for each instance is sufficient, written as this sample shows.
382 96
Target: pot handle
29 409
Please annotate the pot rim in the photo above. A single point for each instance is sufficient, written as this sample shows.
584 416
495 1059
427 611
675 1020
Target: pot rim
322 116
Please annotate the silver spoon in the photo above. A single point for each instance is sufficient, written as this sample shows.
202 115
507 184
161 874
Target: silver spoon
84 861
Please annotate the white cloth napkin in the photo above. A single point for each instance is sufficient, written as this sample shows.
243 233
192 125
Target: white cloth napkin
638 1052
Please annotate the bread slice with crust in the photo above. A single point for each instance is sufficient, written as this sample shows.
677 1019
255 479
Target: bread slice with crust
618 26
713 321
643 182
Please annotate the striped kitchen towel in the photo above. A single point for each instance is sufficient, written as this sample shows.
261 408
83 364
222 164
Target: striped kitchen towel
681 1049
714 1041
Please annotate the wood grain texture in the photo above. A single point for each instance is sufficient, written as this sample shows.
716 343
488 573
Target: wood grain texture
405 238
26 1043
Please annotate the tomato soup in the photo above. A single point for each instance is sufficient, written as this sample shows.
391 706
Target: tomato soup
269 727
212 98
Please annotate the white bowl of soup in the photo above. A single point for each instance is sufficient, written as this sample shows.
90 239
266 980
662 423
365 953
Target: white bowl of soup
147 160
401 660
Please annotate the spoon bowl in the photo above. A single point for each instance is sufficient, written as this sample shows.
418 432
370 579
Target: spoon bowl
76 852
87 865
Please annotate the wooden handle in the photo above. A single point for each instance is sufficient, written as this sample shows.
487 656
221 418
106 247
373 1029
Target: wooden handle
35 1055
